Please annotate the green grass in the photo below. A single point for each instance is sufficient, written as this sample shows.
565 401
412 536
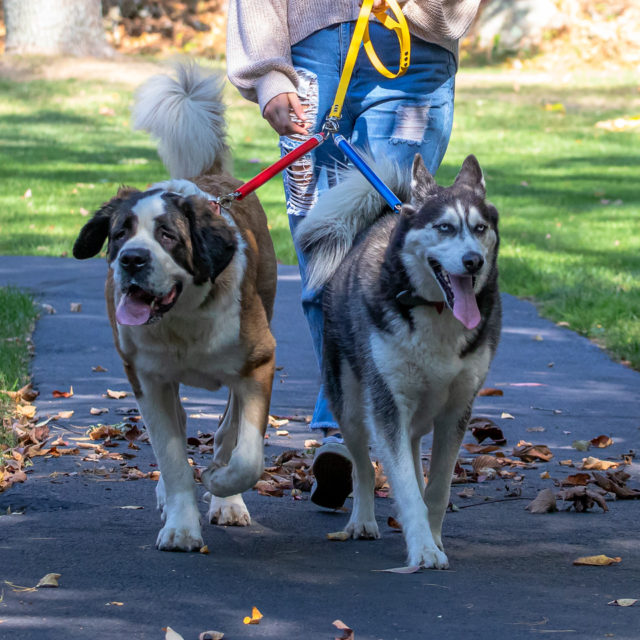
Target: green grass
17 315
548 172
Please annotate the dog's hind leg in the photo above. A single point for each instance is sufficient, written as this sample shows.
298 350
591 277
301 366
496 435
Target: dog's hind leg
231 510
449 430
246 463
362 523
164 418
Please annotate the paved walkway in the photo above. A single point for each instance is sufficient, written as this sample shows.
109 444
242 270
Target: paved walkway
512 575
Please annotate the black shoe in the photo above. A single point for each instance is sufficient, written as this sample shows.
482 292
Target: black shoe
332 469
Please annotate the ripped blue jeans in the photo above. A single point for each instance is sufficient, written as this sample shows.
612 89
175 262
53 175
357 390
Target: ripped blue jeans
390 118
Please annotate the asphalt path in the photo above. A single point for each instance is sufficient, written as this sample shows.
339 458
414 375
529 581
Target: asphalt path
512 574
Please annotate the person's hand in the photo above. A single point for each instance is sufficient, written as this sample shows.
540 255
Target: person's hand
277 113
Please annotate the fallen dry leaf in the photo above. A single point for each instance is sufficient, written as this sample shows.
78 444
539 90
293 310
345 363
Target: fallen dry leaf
170 634
583 498
347 633
530 452
338 536
98 411
483 428
62 394
394 524
131 506
566 463
581 445
483 462
255 618
76 307
50 580
275 422
414 569
282 432
467 492
597 464
601 442
576 479
211 635
116 395
65 415
544 502
204 550
596 561
471 447
616 483
623 602
490 392
98 369
506 416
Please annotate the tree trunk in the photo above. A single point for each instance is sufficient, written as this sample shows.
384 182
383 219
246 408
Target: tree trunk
55 27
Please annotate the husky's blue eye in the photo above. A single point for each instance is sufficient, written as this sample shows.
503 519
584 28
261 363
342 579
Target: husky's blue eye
445 227
480 228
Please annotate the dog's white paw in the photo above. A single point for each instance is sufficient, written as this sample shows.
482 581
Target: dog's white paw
227 511
366 529
428 556
182 529
179 539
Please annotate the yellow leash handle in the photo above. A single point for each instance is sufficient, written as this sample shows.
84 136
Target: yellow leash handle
361 35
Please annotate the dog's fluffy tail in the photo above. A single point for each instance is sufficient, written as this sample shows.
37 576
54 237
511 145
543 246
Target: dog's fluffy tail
340 213
186 114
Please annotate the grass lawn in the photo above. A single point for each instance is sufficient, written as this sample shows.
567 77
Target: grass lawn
567 190
17 315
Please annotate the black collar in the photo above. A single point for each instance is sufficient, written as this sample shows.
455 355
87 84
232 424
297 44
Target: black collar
407 298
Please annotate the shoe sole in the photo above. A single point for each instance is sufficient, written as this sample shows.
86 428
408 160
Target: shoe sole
333 480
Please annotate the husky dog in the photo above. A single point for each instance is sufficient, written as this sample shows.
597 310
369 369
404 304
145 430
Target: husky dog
412 321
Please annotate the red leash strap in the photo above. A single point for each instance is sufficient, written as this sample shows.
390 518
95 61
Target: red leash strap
274 169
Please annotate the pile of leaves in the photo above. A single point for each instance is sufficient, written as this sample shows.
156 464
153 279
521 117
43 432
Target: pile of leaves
22 437
165 26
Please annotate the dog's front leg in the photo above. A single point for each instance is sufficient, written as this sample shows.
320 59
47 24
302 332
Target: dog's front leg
449 430
231 510
397 452
165 420
246 463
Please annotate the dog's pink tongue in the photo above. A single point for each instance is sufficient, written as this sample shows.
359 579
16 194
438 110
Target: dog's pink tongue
132 311
465 307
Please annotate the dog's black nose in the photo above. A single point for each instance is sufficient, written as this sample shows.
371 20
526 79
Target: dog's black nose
134 260
472 262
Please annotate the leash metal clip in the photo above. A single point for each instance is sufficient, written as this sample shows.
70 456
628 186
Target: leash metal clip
331 125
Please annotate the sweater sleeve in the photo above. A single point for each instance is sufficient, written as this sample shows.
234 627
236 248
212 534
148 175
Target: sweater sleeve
448 19
258 50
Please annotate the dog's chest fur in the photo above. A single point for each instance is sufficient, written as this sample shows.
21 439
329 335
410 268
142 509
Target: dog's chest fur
422 366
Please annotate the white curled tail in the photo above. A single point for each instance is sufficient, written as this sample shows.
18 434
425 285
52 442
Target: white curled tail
329 229
186 114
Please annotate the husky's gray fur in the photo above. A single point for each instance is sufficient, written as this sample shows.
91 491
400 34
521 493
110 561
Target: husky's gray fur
186 115
397 362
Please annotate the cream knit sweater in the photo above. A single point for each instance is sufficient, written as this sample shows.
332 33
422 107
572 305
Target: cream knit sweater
260 34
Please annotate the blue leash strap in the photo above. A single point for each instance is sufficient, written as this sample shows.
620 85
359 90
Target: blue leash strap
392 200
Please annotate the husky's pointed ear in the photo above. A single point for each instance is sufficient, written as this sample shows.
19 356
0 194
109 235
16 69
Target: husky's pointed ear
423 184
95 232
471 177
407 210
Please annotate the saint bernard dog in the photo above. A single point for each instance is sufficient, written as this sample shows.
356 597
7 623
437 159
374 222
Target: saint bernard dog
190 293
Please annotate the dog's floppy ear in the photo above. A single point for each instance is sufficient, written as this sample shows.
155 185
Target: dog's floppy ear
471 177
212 238
95 232
423 184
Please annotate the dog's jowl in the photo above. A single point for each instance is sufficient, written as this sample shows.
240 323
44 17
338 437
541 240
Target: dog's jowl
190 294
412 321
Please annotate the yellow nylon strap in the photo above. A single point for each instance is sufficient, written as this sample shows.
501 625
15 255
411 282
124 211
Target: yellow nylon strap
361 35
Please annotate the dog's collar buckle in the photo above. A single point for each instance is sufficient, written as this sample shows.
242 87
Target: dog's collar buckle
407 299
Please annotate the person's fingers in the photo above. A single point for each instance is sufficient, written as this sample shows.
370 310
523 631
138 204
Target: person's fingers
298 109
277 114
